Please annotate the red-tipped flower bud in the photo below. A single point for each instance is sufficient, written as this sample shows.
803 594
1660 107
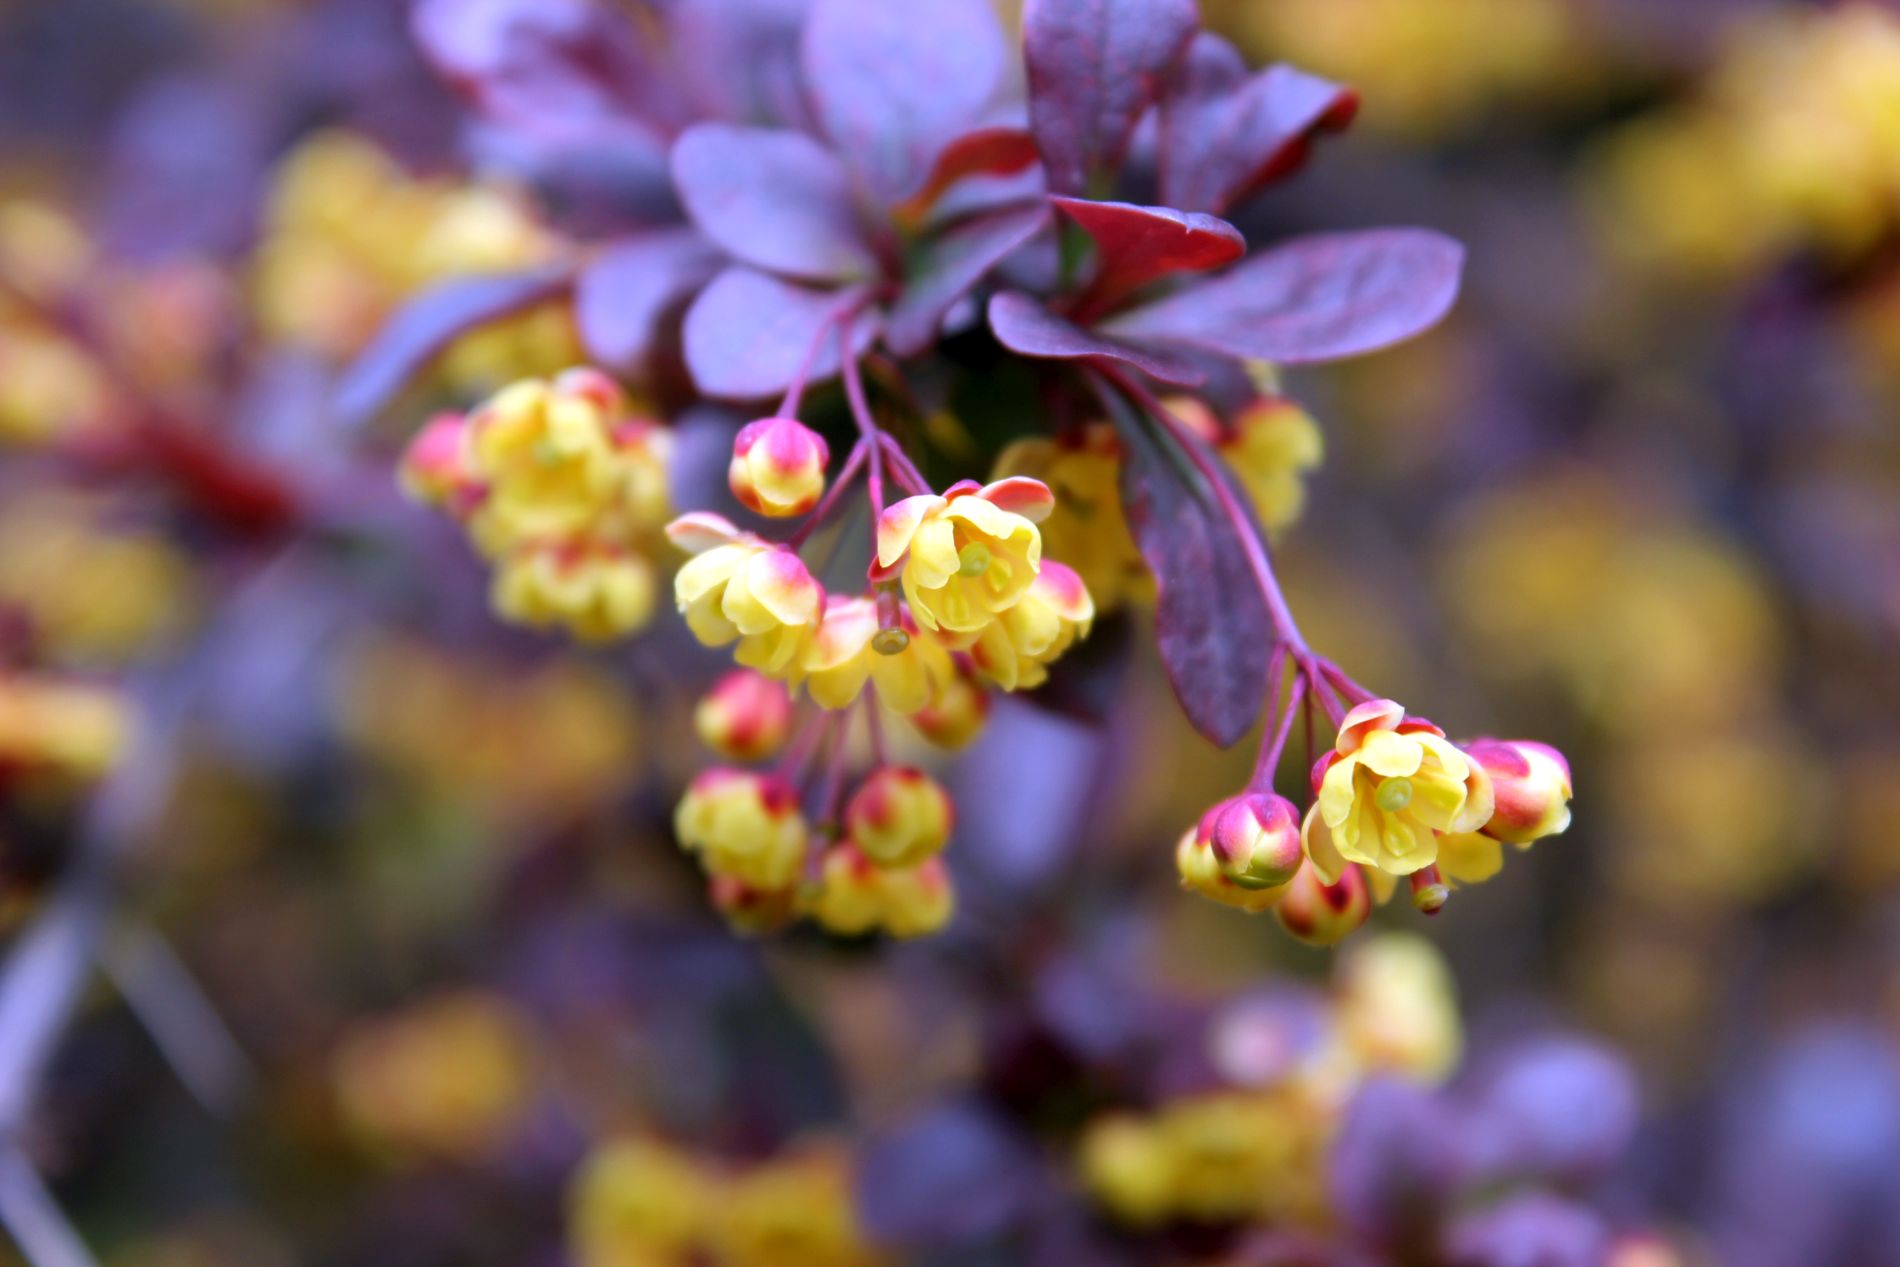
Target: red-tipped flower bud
778 467
745 717
1321 914
1531 785
1255 838
899 817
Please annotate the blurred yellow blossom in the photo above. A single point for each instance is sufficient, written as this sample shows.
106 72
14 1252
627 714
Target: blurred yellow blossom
446 1077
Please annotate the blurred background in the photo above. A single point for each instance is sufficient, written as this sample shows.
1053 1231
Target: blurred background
344 924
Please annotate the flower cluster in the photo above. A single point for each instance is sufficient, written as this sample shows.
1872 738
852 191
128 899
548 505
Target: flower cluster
563 488
637 1200
1393 799
1257 1150
1788 145
877 870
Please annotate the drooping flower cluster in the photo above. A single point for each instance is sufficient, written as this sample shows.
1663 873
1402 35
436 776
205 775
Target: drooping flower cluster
563 488
1393 799
637 1200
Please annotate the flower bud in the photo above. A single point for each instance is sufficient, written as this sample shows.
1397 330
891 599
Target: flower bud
743 825
745 717
1319 913
1255 839
1201 872
918 900
778 467
435 468
899 816
1127 1167
956 712
1530 784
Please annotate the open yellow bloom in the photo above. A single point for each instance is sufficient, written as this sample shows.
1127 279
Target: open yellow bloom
1087 529
742 589
967 556
1390 786
848 652
636 1202
1016 649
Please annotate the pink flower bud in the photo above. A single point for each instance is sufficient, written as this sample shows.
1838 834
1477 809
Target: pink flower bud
956 712
1531 785
778 467
1321 914
750 910
745 717
435 467
1255 838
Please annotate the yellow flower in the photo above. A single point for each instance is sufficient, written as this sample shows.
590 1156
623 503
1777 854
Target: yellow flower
1469 857
1270 445
793 1212
957 711
1087 529
67 729
857 895
741 589
636 1203
1015 650
596 593
907 667
448 1077
742 825
899 816
1127 1167
967 556
1389 786
1396 1008
549 456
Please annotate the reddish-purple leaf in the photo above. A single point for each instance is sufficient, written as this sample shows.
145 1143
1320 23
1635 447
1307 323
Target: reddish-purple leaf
986 152
1024 326
1211 624
894 83
620 298
425 327
949 266
1095 66
1317 298
1225 134
1138 245
555 66
748 334
774 199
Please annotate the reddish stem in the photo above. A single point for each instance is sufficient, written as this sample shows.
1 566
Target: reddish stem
838 319
1269 761
829 502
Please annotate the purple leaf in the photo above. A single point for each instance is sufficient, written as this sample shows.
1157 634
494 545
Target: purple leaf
620 298
428 324
895 83
708 38
1558 1109
949 266
551 65
774 199
1139 245
747 335
1533 1229
1317 298
986 152
958 1173
1024 326
1095 66
1225 134
1212 627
